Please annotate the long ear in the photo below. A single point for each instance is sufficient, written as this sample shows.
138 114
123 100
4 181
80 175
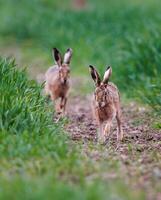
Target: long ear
107 74
95 76
57 56
67 56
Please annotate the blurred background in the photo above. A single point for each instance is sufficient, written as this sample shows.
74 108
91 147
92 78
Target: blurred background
38 159
124 34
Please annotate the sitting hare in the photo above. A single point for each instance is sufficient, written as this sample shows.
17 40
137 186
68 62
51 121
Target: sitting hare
106 103
57 79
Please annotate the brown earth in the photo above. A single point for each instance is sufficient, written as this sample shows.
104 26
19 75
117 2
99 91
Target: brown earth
140 151
137 123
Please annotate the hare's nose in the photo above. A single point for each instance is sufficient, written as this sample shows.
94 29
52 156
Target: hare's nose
100 104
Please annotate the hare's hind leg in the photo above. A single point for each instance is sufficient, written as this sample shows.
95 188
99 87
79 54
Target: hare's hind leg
55 103
101 133
46 92
119 124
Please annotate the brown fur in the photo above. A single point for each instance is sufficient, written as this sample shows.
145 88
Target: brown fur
106 104
57 80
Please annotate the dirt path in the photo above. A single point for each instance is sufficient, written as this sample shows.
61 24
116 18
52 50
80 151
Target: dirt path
137 123
81 126
139 154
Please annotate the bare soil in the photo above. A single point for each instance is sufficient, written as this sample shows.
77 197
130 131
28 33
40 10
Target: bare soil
139 153
137 123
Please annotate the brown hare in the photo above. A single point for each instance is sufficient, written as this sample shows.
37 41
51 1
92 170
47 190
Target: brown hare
57 79
106 104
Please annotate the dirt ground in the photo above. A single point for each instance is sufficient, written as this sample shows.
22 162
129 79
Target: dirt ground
140 150
137 122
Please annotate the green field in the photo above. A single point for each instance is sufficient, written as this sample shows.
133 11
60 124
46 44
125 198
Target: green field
38 159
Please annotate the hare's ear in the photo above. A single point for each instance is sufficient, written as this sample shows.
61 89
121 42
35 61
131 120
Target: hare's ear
67 56
107 74
95 76
57 56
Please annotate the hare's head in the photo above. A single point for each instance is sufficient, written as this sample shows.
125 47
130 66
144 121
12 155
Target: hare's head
100 91
63 64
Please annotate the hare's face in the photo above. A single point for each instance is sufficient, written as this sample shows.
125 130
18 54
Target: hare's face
100 96
64 73
63 65
101 86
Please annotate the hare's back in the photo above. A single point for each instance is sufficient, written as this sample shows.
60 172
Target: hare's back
112 86
113 91
52 74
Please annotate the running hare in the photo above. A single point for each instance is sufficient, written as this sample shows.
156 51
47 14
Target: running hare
57 79
106 103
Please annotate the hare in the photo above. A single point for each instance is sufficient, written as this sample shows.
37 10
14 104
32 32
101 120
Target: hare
106 104
57 79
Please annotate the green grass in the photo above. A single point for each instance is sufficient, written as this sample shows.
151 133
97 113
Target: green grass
37 158
124 35
25 117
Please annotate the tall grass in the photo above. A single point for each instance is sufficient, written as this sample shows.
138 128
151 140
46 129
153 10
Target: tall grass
36 159
125 35
141 72
21 105
24 116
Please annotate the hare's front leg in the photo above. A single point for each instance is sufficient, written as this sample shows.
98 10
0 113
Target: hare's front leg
64 107
119 128
63 104
107 128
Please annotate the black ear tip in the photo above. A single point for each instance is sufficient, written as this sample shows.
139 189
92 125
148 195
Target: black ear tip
90 66
108 67
55 50
69 49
